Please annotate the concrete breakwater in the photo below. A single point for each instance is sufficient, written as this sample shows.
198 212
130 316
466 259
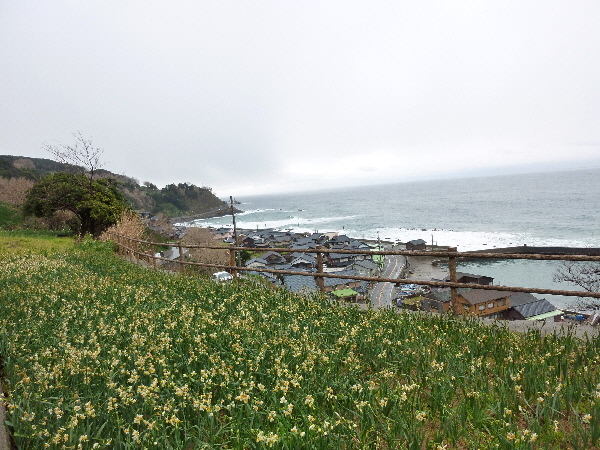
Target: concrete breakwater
528 250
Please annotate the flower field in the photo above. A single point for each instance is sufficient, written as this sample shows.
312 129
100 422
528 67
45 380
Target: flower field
99 353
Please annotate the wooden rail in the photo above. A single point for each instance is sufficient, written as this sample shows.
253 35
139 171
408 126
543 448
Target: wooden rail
131 246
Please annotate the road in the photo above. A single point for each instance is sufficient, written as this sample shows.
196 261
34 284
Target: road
382 294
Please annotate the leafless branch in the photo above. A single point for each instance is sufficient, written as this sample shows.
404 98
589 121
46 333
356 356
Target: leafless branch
583 274
82 154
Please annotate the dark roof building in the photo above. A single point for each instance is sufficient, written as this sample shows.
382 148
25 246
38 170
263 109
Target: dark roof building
462 277
299 284
416 244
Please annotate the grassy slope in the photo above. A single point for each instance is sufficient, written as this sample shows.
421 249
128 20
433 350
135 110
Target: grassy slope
101 352
19 242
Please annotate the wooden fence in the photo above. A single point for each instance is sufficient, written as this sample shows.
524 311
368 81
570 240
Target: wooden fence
133 248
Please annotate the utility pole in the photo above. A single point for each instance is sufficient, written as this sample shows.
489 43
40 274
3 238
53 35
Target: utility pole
235 235
233 217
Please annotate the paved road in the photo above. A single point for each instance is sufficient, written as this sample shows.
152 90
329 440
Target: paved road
382 293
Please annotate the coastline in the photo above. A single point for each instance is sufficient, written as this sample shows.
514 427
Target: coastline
527 250
220 212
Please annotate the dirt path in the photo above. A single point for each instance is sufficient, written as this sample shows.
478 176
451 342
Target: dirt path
4 441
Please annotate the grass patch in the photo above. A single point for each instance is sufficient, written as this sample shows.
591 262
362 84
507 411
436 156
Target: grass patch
26 241
102 353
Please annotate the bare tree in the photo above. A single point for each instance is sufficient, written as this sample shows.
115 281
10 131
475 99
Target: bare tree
14 190
586 275
202 236
83 155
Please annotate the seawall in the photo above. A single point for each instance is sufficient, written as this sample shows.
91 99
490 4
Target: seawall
526 249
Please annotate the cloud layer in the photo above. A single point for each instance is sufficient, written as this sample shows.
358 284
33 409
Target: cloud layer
248 97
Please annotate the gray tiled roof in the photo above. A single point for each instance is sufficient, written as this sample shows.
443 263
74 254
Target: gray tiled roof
535 308
299 283
476 296
367 263
308 258
336 281
257 260
440 294
357 245
521 298
304 241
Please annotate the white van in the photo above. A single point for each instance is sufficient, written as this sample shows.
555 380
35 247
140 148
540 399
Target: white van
222 277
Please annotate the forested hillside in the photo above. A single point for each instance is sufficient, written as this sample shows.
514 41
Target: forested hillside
17 174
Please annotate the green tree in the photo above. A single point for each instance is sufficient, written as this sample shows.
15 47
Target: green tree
97 203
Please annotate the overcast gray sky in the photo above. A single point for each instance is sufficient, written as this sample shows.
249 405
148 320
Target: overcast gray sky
272 96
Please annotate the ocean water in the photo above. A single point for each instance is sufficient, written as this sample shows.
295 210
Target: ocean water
537 209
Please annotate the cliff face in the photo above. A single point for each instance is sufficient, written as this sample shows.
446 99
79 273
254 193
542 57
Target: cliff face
172 200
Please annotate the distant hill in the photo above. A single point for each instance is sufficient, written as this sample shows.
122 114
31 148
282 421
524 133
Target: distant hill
183 199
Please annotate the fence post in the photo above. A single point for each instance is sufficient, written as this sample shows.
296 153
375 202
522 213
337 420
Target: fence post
232 259
319 280
181 259
453 292
153 253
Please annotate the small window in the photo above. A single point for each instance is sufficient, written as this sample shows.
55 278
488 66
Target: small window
502 302
481 307
490 305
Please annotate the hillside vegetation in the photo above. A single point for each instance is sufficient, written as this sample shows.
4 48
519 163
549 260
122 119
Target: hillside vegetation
17 175
99 353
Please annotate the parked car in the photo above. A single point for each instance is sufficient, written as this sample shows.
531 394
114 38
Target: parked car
222 277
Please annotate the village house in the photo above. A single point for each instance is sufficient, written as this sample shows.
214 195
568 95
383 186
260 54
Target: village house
222 233
340 239
470 301
303 260
304 246
437 300
499 304
525 306
274 258
462 277
254 242
365 268
488 303
341 288
319 238
299 284
338 259
304 241
334 284
257 263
